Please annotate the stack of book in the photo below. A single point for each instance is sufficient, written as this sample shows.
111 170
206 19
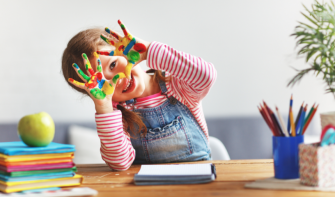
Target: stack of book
25 168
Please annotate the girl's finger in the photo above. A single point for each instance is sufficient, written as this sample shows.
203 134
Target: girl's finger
127 70
80 73
88 65
117 77
106 53
125 32
77 83
114 34
99 68
111 42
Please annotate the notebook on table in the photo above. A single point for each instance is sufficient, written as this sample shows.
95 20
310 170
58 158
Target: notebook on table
20 148
175 174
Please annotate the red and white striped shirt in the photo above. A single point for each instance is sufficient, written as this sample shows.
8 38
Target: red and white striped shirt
192 78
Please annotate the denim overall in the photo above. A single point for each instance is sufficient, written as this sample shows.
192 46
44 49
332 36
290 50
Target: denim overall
173 134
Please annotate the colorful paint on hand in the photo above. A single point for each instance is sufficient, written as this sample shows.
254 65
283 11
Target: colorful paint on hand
98 85
88 64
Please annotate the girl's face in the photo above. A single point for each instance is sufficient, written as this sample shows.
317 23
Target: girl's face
124 89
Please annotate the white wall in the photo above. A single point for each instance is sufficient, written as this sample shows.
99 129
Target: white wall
248 42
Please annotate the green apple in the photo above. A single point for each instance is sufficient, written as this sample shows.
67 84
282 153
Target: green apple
36 129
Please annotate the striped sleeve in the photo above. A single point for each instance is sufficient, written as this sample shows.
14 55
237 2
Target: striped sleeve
116 148
192 76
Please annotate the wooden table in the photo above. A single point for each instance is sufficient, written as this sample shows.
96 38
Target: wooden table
231 177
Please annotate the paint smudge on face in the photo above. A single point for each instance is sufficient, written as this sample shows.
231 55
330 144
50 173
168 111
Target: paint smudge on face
139 47
118 76
97 93
107 88
133 56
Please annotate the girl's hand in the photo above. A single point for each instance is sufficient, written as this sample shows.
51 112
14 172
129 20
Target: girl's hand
99 89
133 49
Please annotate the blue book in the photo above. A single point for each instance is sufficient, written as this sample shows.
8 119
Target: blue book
37 177
20 148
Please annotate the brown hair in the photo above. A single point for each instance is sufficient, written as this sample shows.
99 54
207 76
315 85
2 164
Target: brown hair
87 41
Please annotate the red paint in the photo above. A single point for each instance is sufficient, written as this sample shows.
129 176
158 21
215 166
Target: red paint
70 79
139 47
91 71
103 53
99 75
118 21
115 35
92 83
121 48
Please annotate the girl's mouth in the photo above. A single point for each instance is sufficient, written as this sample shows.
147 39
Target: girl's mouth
128 87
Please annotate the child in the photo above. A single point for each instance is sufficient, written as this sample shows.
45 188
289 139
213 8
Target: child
141 118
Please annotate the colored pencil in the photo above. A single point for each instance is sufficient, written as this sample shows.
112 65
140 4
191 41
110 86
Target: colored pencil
266 120
297 119
309 119
308 116
302 118
267 114
289 118
281 120
275 122
293 133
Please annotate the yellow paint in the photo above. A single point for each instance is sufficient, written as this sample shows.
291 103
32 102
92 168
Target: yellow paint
127 70
96 54
107 88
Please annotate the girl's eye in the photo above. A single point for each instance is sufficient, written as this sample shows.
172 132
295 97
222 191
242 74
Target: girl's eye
112 65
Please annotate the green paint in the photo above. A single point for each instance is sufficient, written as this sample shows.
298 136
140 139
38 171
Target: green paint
122 26
133 55
86 66
85 56
105 39
99 69
115 78
97 93
83 75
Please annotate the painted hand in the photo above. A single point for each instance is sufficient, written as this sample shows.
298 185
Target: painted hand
96 85
129 47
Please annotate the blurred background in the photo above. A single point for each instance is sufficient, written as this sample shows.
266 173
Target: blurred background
249 43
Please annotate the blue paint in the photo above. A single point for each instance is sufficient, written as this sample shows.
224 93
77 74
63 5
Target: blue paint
129 46
107 30
111 53
75 65
101 83
131 61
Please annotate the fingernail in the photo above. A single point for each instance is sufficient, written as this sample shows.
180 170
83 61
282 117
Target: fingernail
70 79
75 65
85 56
107 30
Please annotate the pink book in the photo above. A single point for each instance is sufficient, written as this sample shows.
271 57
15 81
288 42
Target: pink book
37 167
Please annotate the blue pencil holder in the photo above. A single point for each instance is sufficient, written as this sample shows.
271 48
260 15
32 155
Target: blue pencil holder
286 156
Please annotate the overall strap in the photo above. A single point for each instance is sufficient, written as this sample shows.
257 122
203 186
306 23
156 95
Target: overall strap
162 84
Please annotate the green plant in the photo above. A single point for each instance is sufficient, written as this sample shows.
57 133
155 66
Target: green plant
316 41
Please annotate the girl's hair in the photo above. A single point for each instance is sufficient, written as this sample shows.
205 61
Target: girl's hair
87 41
